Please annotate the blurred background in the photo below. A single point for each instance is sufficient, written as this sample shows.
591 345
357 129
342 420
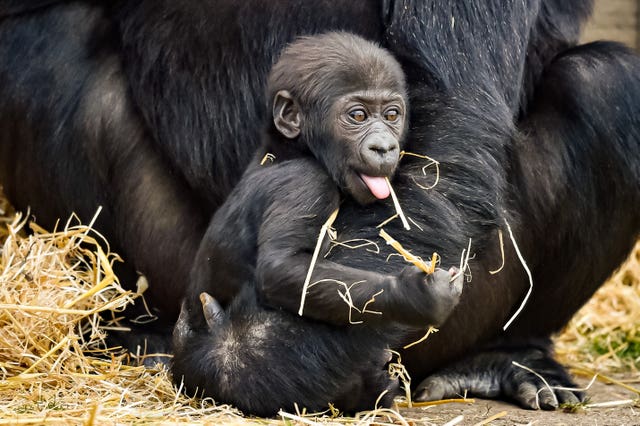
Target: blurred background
617 20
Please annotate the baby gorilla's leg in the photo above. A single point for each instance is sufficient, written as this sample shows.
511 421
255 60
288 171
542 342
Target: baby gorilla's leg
262 360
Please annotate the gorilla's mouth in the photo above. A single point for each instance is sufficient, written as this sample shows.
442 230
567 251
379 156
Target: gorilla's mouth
365 188
377 185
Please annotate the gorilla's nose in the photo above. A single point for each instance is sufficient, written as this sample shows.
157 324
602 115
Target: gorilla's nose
382 153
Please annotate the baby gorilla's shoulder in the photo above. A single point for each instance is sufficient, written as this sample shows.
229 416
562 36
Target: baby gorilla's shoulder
287 177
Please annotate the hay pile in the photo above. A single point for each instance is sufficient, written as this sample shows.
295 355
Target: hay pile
605 334
53 287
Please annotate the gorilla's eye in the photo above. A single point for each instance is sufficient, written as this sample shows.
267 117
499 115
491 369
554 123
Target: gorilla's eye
391 114
358 115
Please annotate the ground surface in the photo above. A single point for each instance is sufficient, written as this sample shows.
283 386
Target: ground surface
481 410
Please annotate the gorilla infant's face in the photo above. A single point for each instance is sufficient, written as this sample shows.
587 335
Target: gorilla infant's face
367 135
355 135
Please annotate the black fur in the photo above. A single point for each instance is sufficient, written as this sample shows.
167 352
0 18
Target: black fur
17 7
152 109
262 360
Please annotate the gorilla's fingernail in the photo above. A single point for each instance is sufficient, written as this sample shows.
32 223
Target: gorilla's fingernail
421 395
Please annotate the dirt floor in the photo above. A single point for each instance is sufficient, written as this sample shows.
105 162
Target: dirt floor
625 413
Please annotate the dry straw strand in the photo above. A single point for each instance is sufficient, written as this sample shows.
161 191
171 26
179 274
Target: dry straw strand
314 258
267 157
354 244
399 371
429 332
396 203
424 168
386 221
438 402
492 418
501 240
526 268
419 263
454 421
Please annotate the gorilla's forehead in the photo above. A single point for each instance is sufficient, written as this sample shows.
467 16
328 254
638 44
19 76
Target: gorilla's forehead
382 95
372 74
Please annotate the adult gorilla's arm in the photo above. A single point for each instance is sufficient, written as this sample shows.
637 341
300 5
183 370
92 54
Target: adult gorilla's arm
525 181
580 166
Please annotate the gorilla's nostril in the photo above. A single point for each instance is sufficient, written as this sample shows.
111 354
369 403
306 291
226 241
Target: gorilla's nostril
382 148
379 150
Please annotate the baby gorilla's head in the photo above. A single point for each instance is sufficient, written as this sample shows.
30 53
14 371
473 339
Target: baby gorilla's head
344 99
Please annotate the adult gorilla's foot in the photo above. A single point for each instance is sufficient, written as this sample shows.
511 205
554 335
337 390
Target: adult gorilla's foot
495 373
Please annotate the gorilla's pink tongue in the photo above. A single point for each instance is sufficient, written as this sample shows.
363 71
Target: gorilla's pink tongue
377 185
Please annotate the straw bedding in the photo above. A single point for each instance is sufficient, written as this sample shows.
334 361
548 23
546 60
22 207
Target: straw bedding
605 333
54 365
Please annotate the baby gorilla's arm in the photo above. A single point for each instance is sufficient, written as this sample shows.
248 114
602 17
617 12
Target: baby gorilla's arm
287 238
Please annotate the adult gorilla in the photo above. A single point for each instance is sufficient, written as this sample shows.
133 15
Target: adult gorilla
152 109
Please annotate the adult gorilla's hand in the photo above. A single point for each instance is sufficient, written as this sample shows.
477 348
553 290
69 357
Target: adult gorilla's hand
506 374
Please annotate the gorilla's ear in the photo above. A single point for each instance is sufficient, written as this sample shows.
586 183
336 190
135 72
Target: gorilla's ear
286 114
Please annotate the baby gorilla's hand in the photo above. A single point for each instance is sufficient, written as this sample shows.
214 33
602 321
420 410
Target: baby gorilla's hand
421 299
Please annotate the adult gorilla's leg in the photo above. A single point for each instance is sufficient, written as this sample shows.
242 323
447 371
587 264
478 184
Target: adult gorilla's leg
65 108
580 171
576 181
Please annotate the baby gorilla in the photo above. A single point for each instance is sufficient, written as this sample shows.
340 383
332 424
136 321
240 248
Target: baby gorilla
339 109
